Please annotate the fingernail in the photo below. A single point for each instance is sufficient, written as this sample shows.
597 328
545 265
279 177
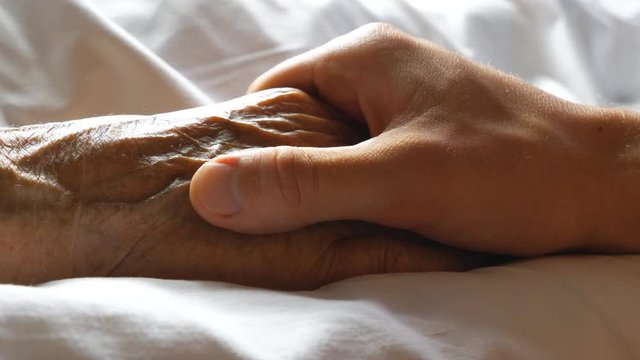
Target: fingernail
215 187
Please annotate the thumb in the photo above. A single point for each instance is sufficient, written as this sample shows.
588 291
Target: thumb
285 188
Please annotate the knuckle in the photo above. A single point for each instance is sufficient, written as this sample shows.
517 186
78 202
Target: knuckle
382 33
383 42
379 28
292 174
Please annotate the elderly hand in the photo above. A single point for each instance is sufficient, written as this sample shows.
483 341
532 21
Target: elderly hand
109 197
459 152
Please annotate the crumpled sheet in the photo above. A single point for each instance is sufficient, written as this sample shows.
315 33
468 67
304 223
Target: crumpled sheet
66 59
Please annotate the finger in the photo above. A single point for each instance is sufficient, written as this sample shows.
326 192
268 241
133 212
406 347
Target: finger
305 70
391 251
356 73
296 72
321 73
285 188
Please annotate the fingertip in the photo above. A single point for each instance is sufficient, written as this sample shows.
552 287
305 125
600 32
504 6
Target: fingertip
256 85
225 193
196 196
296 72
213 191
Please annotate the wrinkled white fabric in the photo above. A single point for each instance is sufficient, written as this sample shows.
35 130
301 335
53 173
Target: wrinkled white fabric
68 59
553 308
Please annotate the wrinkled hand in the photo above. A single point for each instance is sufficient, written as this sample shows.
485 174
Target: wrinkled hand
459 152
109 197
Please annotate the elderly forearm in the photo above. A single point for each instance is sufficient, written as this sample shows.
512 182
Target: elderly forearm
109 197
33 210
41 216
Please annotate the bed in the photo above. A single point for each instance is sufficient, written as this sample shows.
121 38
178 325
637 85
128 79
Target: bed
70 59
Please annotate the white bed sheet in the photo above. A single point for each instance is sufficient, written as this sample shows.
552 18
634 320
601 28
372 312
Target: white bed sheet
70 59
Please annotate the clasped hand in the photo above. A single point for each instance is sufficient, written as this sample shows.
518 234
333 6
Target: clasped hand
109 197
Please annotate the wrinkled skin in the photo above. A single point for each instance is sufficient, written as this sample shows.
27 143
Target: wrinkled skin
109 197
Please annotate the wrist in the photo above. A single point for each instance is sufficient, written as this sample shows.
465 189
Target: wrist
31 246
27 174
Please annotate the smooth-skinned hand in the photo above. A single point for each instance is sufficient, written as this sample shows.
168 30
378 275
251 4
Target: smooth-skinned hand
458 152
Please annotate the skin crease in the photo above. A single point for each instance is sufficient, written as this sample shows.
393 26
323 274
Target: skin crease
109 197
459 152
